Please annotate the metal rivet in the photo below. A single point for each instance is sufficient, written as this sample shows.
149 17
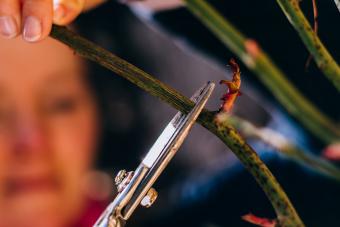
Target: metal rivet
120 176
149 198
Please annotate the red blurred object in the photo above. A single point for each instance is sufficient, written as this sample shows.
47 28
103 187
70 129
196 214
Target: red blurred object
91 214
332 152
264 222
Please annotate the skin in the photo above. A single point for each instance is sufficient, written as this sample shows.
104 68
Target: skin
33 18
48 134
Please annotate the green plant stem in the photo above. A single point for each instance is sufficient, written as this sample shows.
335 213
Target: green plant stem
258 62
286 213
312 42
285 147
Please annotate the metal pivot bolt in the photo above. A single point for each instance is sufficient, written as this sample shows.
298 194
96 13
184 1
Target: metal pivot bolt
122 179
120 176
149 198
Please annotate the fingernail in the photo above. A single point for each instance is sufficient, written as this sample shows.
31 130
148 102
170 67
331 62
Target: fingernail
59 13
32 29
8 27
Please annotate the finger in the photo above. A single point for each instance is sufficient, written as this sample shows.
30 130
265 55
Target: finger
9 18
65 11
37 19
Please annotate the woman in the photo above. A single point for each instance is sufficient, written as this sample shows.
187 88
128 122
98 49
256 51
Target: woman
48 134
49 120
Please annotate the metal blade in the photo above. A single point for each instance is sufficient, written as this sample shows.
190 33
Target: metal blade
176 124
154 163
166 147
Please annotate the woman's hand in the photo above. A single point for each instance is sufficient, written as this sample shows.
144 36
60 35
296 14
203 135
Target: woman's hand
33 18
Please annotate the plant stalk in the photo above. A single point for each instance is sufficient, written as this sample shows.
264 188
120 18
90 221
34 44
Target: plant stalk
322 57
258 62
285 211
280 143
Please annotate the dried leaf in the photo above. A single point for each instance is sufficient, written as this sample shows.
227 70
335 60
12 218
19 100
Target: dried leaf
264 222
233 88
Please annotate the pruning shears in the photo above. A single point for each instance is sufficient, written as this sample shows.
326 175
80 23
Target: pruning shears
135 187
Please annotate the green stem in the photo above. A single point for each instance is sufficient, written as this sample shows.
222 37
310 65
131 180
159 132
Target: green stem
285 147
285 211
312 42
258 62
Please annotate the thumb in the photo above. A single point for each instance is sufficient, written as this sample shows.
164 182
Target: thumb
65 11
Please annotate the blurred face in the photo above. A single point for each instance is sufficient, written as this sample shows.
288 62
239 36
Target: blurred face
48 133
